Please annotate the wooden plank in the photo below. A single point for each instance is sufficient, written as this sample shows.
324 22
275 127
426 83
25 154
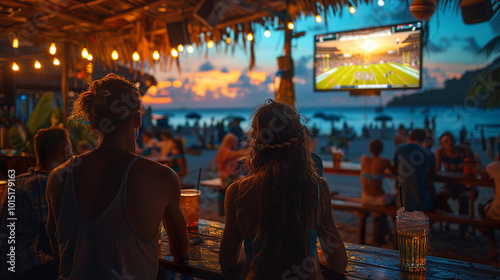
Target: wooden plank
364 262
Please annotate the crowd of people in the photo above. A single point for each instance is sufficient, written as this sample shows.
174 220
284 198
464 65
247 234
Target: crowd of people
415 164
98 213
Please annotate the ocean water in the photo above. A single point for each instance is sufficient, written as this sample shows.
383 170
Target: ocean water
447 118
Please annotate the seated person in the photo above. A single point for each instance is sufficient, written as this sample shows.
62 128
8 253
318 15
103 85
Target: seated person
166 144
149 145
400 138
227 159
491 209
372 175
417 191
282 207
452 158
179 164
34 259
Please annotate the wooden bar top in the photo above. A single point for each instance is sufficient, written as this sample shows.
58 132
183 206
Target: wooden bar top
365 262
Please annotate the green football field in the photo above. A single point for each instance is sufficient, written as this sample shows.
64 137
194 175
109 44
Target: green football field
400 76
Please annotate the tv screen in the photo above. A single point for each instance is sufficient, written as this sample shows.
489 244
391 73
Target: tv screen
388 57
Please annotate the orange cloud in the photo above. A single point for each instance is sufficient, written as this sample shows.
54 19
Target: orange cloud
177 84
214 80
149 100
257 77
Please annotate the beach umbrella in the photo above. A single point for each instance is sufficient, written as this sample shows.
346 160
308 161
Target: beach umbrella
235 117
193 115
383 118
319 115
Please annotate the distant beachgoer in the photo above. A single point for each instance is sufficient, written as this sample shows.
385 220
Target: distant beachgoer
227 159
463 135
166 144
417 191
491 209
428 143
452 158
400 138
150 147
179 164
236 129
372 175
105 207
283 207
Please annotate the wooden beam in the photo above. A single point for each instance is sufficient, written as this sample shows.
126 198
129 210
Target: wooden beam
131 12
78 6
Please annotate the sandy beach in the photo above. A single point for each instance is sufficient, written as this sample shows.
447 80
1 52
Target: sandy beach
445 244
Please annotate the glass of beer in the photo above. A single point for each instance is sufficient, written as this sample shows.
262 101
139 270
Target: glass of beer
190 206
413 232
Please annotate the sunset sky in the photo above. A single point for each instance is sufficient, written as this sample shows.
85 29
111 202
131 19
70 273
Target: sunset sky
222 80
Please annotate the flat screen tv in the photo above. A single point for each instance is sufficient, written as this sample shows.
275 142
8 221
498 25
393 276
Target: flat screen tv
379 58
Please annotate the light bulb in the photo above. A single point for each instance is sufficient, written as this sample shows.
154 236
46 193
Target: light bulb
85 53
352 10
180 48
290 25
190 49
210 44
56 61
15 67
174 53
52 49
37 65
267 33
156 55
114 55
250 37
381 3
15 43
135 56
318 18
90 57
228 40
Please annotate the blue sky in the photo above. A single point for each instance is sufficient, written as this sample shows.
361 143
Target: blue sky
223 80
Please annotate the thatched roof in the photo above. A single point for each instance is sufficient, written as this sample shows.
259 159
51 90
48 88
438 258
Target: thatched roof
140 25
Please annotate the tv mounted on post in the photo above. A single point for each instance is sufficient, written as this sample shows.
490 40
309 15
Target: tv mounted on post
365 61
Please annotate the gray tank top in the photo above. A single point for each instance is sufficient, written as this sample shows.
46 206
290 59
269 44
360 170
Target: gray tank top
105 247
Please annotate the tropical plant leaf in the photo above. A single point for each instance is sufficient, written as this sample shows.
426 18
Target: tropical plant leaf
40 117
18 136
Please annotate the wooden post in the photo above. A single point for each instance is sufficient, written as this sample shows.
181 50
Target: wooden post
286 90
64 79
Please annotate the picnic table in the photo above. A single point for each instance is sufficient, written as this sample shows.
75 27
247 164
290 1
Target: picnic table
354 169
364 262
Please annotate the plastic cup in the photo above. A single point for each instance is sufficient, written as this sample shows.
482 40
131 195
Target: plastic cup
190 206
413 232
337 158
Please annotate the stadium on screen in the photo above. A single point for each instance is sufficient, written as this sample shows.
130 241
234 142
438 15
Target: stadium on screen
388 57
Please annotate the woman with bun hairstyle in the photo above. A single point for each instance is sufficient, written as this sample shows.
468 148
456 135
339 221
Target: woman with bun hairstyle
105 206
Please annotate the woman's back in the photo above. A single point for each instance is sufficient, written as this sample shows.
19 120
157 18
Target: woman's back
372 170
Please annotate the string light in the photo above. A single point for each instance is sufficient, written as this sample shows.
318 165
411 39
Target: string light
56 61
90 57
290 25
114 55
52 49
318 18
267 33
190 49
85 53
174 53
180 48
15 43
381 3
210 44
228 40
352 10
250 37
135 56
15 67
156 55
37 64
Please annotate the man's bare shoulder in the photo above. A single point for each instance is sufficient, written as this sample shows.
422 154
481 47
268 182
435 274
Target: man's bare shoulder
148 169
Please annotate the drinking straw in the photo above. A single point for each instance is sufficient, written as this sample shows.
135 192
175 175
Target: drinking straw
401 196
199 177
